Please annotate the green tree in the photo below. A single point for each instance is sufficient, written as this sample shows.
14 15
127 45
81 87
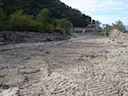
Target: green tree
43 19
119 25
21 21
2 13
1 3
56 8
63 25
4 24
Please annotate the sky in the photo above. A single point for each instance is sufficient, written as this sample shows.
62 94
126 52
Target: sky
105 11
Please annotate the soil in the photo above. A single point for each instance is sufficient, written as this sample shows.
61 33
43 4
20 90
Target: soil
89 65
15 37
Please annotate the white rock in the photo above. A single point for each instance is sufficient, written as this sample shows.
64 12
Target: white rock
10 92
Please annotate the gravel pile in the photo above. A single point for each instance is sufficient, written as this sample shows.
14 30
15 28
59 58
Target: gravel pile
116 34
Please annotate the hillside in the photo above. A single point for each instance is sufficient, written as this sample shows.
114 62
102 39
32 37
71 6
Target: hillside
57 10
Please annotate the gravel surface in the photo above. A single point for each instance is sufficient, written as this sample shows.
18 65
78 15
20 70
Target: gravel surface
14 37
86 66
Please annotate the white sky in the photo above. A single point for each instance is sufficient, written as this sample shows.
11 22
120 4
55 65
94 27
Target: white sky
106 11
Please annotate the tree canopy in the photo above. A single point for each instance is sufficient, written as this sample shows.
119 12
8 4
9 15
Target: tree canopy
117 25
40 15
57 10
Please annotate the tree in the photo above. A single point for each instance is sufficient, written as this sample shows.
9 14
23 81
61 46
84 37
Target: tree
63 25
44 12
56 8
1 3
4 24
43 19
21 21
2 13
119 25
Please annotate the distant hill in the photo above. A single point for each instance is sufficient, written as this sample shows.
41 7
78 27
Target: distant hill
57 10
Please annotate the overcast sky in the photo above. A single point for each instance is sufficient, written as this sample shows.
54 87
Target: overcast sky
106 11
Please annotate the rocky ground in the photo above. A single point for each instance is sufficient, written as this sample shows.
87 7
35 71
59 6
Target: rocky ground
89 65
11 37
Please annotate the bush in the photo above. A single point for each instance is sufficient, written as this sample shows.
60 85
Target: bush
104 33
63 25
4 23
43 19
2 15
50 28
119 25
18 21
21 22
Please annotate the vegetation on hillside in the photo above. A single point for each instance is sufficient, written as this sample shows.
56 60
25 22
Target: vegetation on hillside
40 15
117 25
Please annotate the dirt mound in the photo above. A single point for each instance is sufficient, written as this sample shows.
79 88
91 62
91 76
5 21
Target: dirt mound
116 34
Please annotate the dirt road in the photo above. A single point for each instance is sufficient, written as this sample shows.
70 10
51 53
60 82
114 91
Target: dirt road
87 66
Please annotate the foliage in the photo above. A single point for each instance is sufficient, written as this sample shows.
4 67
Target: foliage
1 3
50 28
2 15
40 15
104 33
20 21
63 25
42 18
119 25
4 23
106 30
56 8
96 23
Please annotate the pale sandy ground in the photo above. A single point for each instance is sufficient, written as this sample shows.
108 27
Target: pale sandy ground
86 66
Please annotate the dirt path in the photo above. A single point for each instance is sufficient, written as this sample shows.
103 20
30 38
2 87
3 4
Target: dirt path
89 66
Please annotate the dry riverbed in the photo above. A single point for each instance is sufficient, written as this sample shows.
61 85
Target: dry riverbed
85 66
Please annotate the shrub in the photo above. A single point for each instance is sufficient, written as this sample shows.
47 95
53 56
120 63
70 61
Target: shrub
20 21
50 28
4 23
119 25
63 25
43 19
2 15
104 33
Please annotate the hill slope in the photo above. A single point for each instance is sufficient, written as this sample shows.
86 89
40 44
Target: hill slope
56 7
